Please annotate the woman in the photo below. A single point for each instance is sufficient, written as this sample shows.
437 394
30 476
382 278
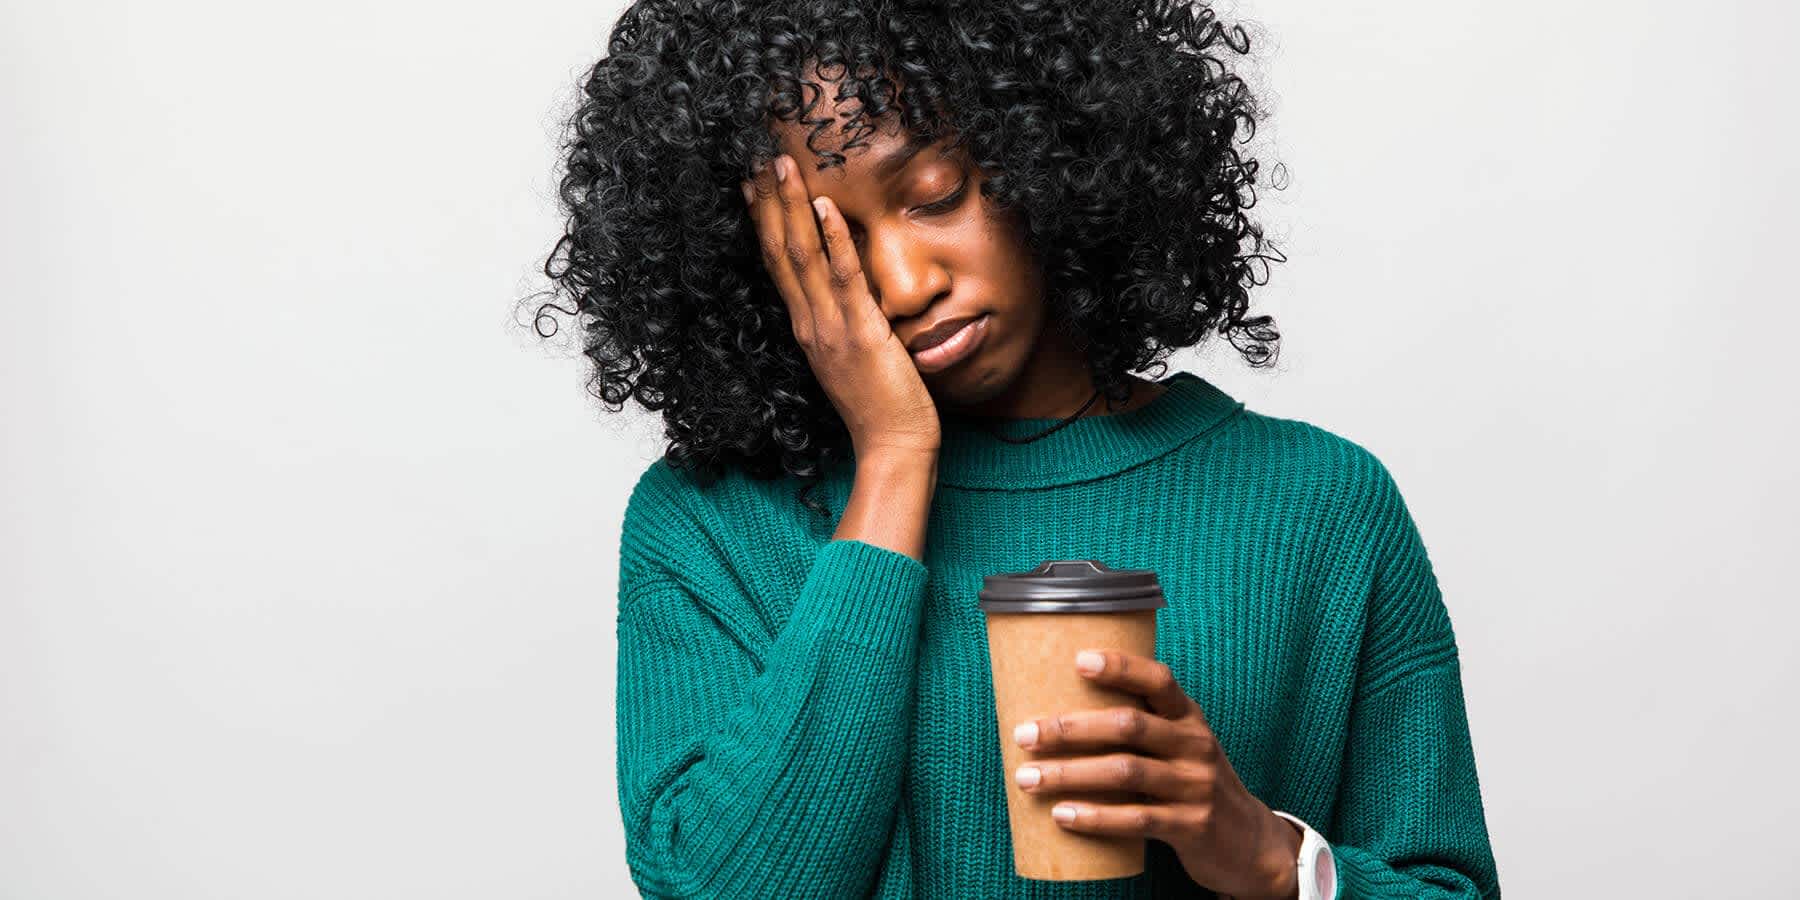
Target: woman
896 253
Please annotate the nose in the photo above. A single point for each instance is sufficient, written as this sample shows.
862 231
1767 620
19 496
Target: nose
904 276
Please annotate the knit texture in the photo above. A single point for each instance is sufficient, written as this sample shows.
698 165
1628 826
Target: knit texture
807 717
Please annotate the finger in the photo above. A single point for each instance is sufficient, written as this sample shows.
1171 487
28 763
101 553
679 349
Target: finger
1103 729
1149 820
844 265
805 252
1159 779
771 238
1144 676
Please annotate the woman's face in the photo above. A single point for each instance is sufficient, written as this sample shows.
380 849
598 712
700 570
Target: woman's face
932 249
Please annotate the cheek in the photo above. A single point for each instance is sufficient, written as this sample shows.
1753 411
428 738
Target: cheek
1016 287
1010 281
1017 324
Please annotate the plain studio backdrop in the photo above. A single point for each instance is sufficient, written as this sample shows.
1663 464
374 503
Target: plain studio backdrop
311 544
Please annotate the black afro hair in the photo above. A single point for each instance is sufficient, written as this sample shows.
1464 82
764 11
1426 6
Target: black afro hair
1112 128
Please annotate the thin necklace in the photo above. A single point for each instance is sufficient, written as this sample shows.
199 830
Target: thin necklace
1046 432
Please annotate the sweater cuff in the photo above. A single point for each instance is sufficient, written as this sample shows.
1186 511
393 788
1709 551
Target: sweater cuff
868 595
1363 874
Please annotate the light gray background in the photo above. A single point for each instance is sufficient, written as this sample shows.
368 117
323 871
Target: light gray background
310 548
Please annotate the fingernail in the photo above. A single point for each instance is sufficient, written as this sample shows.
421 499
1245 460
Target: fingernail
1063 813
781 169
1029 775
1025 735
1090 662
818 206
749 196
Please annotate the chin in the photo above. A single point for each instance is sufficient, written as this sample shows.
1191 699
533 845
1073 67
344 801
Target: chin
980 379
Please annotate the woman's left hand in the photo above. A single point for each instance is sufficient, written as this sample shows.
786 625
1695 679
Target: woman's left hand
1227 840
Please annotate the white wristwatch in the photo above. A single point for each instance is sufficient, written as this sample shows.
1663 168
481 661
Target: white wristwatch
1318 868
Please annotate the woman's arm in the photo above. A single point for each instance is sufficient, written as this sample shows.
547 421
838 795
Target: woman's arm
890 502
1409 821
772 770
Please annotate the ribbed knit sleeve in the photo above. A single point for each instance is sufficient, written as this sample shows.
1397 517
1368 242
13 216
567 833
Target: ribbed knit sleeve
763 769
1409 821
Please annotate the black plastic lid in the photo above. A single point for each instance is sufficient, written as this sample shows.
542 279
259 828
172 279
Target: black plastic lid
1072 585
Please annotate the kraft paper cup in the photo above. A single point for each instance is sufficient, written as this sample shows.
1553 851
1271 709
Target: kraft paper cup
1036 622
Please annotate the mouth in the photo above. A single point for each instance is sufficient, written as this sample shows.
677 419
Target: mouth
955 348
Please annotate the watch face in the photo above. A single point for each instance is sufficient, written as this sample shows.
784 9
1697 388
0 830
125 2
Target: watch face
1325 873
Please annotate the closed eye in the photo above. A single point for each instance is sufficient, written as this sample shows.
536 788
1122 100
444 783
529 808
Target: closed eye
948 203
938 207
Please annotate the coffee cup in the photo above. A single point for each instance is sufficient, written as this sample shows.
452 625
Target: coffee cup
1036 622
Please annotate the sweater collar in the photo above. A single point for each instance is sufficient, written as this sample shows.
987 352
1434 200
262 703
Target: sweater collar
1087 448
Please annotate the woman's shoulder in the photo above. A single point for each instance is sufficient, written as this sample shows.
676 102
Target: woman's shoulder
684 520
1306 444
665 494
1302 465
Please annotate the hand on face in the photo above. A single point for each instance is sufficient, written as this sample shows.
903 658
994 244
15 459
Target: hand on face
859 361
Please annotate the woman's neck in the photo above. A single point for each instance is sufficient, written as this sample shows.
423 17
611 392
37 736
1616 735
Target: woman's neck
980 453
1053 384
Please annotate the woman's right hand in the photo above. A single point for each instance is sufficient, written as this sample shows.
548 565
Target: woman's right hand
858 359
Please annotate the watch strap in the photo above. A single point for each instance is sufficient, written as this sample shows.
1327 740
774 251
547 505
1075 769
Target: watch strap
1317 868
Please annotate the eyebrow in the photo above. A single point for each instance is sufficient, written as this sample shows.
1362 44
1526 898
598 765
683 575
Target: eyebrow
887 166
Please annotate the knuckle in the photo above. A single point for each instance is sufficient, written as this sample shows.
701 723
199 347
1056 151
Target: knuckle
1203 743
1060 727
1133 723
1203 781
798 257
1162 677
1141 819
1130 770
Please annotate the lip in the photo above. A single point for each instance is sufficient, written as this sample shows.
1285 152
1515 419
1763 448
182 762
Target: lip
955 348
938 333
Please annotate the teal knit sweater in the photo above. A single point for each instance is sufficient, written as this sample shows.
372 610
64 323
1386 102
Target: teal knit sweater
806 717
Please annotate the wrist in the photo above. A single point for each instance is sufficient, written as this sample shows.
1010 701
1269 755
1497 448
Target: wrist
905 474
1278 862
921 457
913 448
890 502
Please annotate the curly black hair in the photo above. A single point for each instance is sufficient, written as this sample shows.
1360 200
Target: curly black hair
1109 126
